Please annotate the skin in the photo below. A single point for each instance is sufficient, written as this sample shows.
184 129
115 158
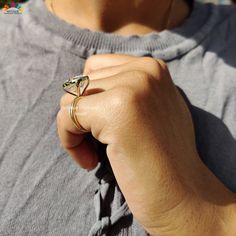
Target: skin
133 106
149 133
111 15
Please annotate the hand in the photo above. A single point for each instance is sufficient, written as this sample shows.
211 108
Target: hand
133 106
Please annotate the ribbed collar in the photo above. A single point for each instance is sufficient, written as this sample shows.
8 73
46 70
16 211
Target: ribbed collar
167 44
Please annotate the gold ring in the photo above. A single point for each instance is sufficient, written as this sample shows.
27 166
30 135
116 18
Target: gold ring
73 115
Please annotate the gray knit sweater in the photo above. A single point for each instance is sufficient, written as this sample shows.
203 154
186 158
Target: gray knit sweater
42 191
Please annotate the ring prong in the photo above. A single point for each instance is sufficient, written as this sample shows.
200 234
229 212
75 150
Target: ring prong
76 85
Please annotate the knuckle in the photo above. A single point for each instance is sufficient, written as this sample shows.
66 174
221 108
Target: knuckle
164 71
162 64
150 60
153 64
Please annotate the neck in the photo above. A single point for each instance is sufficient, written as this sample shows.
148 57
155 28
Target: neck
121 16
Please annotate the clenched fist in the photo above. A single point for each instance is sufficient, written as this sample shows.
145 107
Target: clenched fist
133 106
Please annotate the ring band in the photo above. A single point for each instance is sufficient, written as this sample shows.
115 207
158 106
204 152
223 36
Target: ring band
74 117
76 86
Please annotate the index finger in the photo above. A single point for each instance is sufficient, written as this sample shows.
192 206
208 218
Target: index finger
100 61
79 146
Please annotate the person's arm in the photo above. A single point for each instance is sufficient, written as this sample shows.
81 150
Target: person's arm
133 106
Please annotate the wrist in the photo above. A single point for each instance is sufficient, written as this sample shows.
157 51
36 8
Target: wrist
217 204
209 208
219 201
201 218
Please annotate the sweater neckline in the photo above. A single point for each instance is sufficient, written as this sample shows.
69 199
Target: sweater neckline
166 45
